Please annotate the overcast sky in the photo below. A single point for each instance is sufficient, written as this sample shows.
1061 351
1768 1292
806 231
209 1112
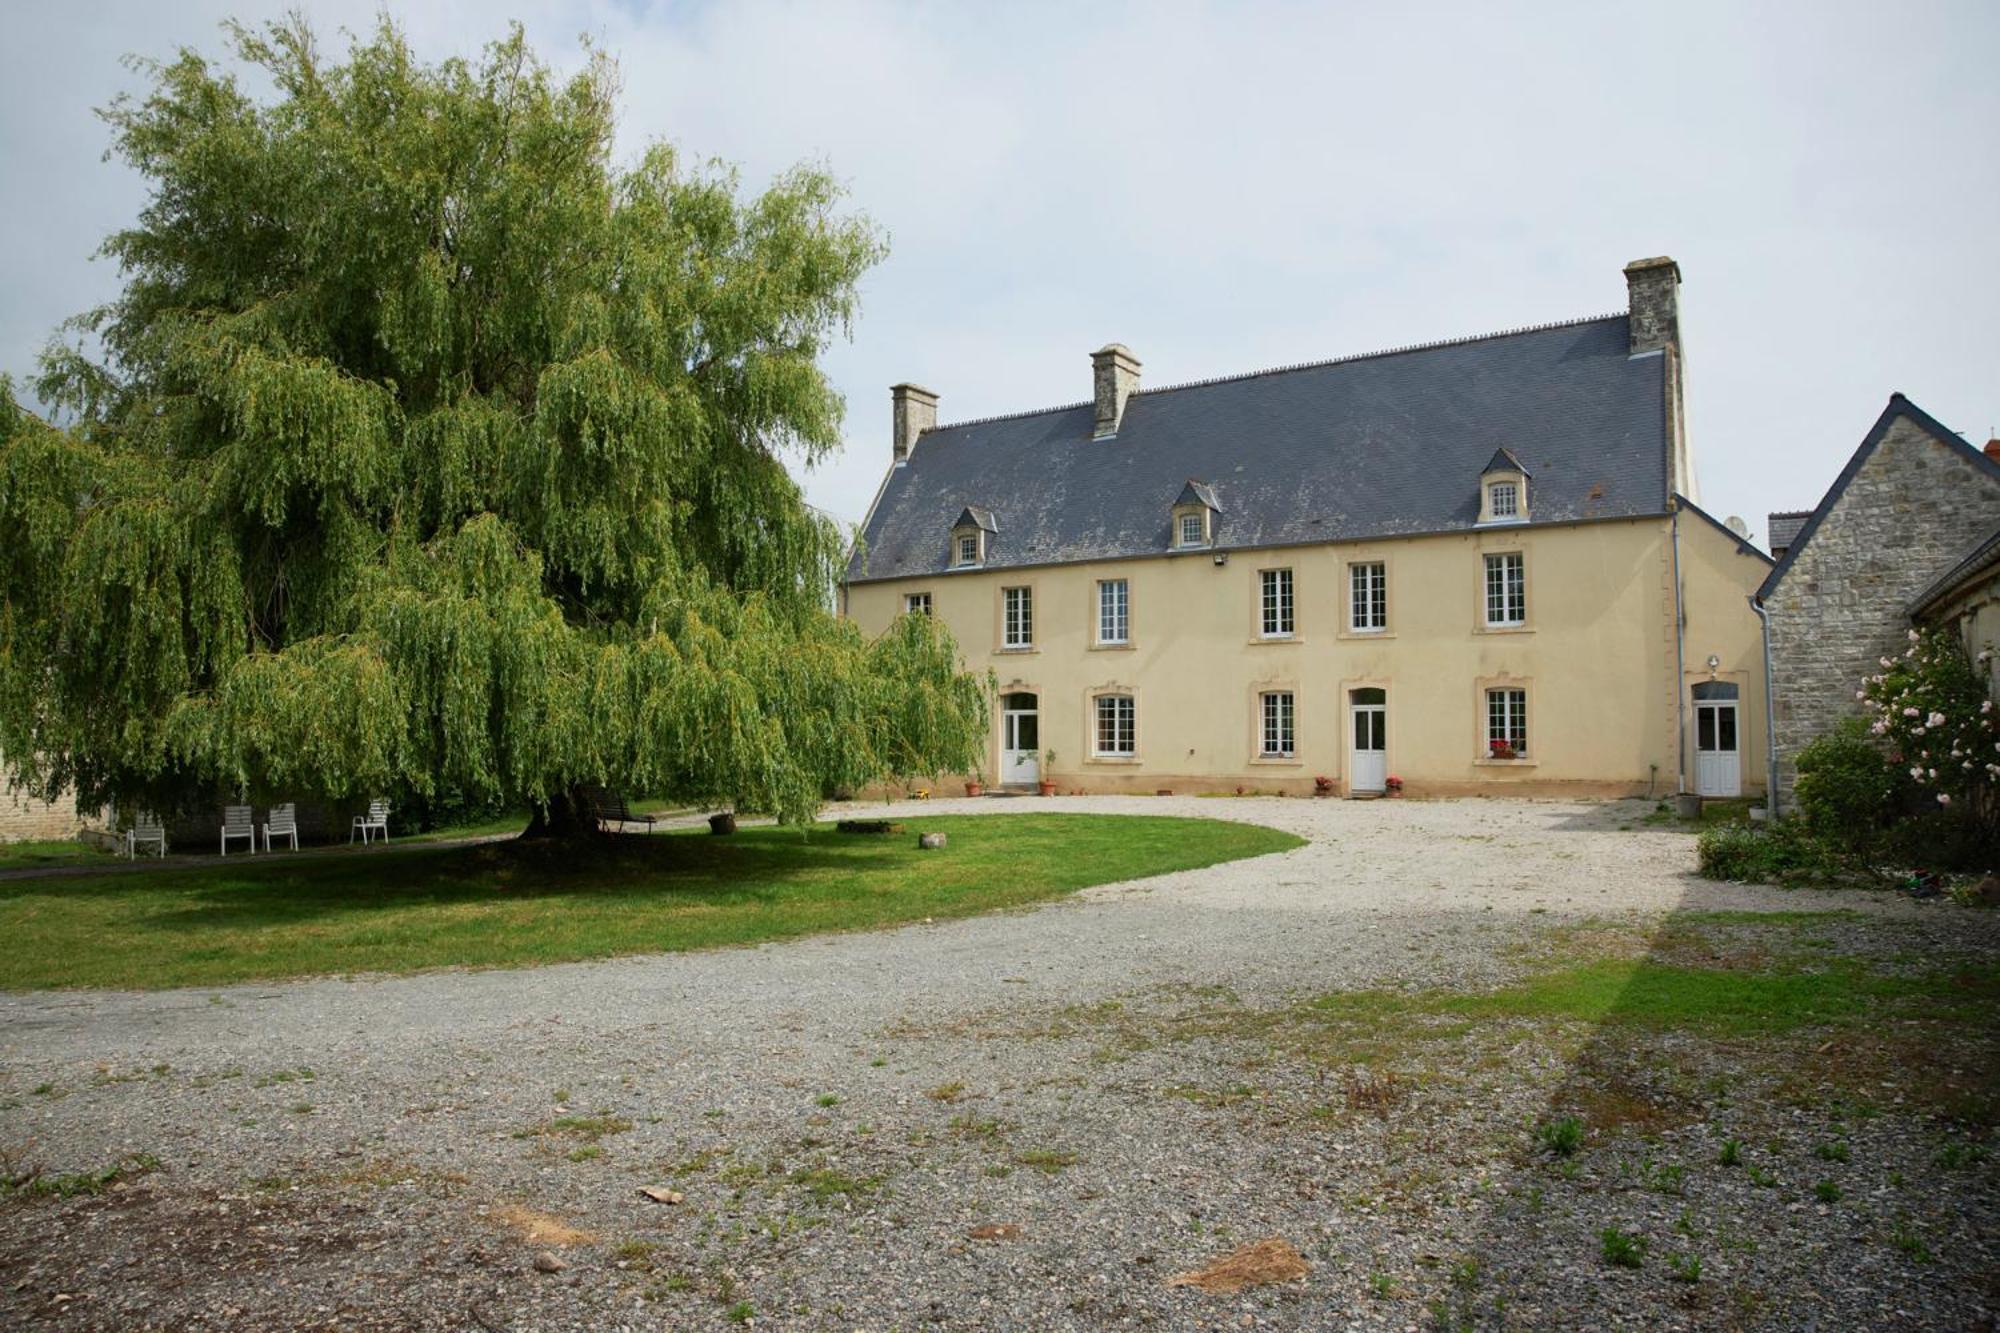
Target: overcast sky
1224 188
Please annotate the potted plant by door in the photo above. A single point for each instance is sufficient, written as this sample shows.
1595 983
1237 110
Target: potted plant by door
1046 784
1393 785
976 783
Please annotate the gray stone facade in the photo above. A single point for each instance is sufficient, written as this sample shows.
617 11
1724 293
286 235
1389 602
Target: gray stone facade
1910 503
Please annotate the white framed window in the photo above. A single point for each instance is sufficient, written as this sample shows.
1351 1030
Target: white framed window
1506 724
1275 733
968 549
1503 500
1275 619
1368 597
1507 589
1017 617
1114 604
1194 529
1117 734
917 604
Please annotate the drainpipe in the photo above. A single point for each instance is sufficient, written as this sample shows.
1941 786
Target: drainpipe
1680 657
1770 715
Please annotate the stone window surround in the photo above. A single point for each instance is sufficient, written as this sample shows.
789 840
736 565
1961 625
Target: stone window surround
1113 687
1258 689
1483 755
1000 644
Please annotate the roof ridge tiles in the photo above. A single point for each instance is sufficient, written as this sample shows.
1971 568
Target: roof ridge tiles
1378 354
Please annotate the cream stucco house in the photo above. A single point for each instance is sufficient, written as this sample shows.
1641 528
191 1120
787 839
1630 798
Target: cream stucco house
1473 565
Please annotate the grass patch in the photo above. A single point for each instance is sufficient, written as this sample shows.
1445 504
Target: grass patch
35 1185
519 904
35 855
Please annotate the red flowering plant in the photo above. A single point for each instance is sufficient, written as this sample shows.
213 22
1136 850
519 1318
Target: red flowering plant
1932 707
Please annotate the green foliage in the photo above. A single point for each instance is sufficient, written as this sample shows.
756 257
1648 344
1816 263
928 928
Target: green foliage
1783 852
1561 1136
1847 790
1622 1249
431 454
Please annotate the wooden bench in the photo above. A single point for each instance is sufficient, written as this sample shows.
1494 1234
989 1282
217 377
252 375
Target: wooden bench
610 808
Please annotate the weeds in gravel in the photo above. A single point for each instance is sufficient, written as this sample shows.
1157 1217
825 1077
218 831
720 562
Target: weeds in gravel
278 1076
1760 1177
827 1099
1047 1161
1685 1267
588 1152
1381 1286
1622 1249
31 1183
827 1184
1961 1156
1664 1177
1375 1091
947 1092
1904 1237
1826 1192
1561 1136
741 1313
1834 1150
1731 1154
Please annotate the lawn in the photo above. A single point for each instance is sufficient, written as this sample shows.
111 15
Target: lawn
517 904
36 855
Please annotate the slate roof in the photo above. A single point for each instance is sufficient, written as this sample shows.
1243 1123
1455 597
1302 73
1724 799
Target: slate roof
1785 527
1389 444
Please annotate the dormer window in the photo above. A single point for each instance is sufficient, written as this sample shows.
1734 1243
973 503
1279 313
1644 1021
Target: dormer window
969 537
1194 517
1503 490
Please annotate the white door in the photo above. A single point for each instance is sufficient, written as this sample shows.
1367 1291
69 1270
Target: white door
1369 771
1718 769
1020 740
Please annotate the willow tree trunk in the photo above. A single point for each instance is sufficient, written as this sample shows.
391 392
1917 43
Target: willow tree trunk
568 814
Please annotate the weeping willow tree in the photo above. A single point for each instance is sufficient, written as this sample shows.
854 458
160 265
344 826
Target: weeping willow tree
425 449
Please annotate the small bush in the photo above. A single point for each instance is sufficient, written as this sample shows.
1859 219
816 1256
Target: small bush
1561 1136
1622 1249
1847 791
1731 1154
1782 853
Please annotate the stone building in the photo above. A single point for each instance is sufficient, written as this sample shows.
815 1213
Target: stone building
1905 511
1468 566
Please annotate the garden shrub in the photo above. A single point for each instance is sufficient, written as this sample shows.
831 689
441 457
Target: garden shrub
1785 852
1847 792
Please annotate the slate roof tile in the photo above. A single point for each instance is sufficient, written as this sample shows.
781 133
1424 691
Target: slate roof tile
1389 444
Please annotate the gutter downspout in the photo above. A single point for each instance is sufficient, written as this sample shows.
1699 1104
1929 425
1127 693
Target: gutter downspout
1680 656
1770 715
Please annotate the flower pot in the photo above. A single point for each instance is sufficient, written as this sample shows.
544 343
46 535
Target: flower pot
1046 788
973 789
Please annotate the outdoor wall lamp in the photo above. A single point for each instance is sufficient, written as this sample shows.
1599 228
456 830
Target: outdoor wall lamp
1221 558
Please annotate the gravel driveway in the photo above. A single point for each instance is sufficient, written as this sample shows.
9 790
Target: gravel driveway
1027 1120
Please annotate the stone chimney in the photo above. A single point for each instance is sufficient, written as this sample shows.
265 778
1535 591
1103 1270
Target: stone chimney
1655 289
1115 375
915 413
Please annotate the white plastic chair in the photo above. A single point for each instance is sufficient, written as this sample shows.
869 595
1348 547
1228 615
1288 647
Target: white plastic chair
283 821
238 822
375 821
146 827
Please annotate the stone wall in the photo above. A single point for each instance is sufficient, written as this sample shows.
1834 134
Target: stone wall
26 820
1918 501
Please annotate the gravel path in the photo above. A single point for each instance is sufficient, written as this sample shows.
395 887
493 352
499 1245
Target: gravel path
1105 1073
